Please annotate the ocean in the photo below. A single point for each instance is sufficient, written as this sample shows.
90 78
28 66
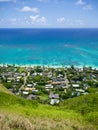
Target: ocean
50 47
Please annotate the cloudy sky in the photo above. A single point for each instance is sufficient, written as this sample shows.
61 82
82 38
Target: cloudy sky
49 13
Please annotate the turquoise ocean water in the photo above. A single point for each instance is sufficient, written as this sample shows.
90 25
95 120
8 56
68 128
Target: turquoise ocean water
52 47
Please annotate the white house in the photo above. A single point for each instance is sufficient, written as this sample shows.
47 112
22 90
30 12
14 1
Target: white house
29 85
80 90
48 86
54 101
25 93
75 85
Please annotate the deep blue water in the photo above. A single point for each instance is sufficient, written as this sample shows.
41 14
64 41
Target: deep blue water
54 47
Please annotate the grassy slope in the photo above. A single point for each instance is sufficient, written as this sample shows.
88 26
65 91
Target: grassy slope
20 114
5 90
85 105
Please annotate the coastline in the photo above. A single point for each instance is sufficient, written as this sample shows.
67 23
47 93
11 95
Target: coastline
49 66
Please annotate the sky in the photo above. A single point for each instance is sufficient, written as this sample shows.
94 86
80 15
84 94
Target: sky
48 13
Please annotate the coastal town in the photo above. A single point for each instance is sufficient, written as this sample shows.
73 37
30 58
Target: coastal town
47 84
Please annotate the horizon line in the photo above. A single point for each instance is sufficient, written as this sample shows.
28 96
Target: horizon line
48 28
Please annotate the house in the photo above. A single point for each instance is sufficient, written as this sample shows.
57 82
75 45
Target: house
80 90
60 77
54 79
49 75
35 90
11 89
29 89
75 85
58 86
29 85
16 93
25 93
9 78
48 86
34 74
29 69
50 81
8 81
85 93
53 96
34 84
31 96
56 83
23 74
18 78
73 93
86 86
54 101
66 86
78 94
40 74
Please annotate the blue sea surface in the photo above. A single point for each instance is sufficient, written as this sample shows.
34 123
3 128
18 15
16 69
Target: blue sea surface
51 47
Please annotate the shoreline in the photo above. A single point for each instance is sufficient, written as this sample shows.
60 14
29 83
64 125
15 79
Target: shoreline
48 66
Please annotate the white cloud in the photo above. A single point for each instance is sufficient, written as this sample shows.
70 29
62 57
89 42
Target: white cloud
13 20
54 1
34 18
80 2
7 0
88 7
85 5
79 22
61 20
38 19
71 22
29 9
42 0
1 20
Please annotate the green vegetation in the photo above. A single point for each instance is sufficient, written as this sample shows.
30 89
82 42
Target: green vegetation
92 90
79 113
43 85
86 105
8 85
37 82
5 90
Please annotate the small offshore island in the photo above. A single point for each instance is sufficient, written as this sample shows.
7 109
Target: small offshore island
47 84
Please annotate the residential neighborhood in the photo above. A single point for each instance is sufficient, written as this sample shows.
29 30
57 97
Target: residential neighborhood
47 84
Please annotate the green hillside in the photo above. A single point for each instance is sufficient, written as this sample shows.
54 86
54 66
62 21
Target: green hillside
86 105
5 90
21 114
